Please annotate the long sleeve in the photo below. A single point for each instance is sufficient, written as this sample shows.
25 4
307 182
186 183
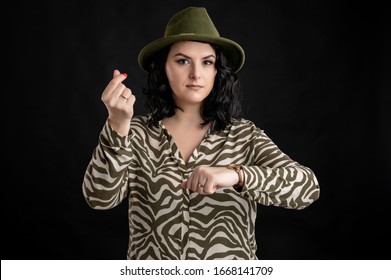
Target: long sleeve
105 182
275 179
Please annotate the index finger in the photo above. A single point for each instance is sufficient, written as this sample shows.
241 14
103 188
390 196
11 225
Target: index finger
115 81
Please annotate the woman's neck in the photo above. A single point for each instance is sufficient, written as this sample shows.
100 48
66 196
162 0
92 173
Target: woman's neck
189 116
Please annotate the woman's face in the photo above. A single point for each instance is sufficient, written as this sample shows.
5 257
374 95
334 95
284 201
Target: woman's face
191 71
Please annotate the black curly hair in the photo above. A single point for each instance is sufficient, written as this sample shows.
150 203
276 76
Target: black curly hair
221 106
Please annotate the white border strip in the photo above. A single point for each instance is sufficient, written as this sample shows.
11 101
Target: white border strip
200 270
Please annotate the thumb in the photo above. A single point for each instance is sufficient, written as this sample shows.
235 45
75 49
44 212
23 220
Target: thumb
116 73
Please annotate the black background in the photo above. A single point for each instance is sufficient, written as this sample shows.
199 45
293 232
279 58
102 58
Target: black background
316 79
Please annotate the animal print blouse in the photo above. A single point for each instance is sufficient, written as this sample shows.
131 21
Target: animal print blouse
170 222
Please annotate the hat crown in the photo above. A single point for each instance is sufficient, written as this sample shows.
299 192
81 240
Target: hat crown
192 20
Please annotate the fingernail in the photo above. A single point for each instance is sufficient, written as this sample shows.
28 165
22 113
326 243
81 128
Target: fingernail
125 74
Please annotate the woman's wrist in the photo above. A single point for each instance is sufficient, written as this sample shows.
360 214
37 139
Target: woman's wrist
241 178
238 169
122 128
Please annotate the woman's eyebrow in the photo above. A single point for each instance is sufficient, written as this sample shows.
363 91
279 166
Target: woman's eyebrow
182 54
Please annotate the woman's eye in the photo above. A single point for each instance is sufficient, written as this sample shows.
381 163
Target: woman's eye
208 62
182 61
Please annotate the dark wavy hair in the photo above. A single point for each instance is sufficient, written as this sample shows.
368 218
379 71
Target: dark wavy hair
221 106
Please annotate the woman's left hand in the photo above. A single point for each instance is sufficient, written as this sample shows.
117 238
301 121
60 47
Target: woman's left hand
206 180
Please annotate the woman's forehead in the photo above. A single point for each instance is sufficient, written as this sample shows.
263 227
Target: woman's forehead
190 48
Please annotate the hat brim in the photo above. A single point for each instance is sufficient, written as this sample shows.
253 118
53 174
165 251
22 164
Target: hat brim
232 50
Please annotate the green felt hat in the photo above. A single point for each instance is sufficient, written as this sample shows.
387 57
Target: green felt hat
194 24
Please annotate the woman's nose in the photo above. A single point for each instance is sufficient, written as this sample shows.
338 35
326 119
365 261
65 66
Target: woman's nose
194 72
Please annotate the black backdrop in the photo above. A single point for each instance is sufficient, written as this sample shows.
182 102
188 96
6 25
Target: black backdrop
316 79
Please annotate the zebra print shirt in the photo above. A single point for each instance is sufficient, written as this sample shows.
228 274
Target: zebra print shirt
170 222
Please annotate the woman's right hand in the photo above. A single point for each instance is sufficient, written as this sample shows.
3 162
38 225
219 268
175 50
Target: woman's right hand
119 102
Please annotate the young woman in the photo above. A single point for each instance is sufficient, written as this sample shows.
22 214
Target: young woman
192 169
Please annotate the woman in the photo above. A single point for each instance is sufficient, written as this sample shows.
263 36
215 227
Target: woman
193 170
